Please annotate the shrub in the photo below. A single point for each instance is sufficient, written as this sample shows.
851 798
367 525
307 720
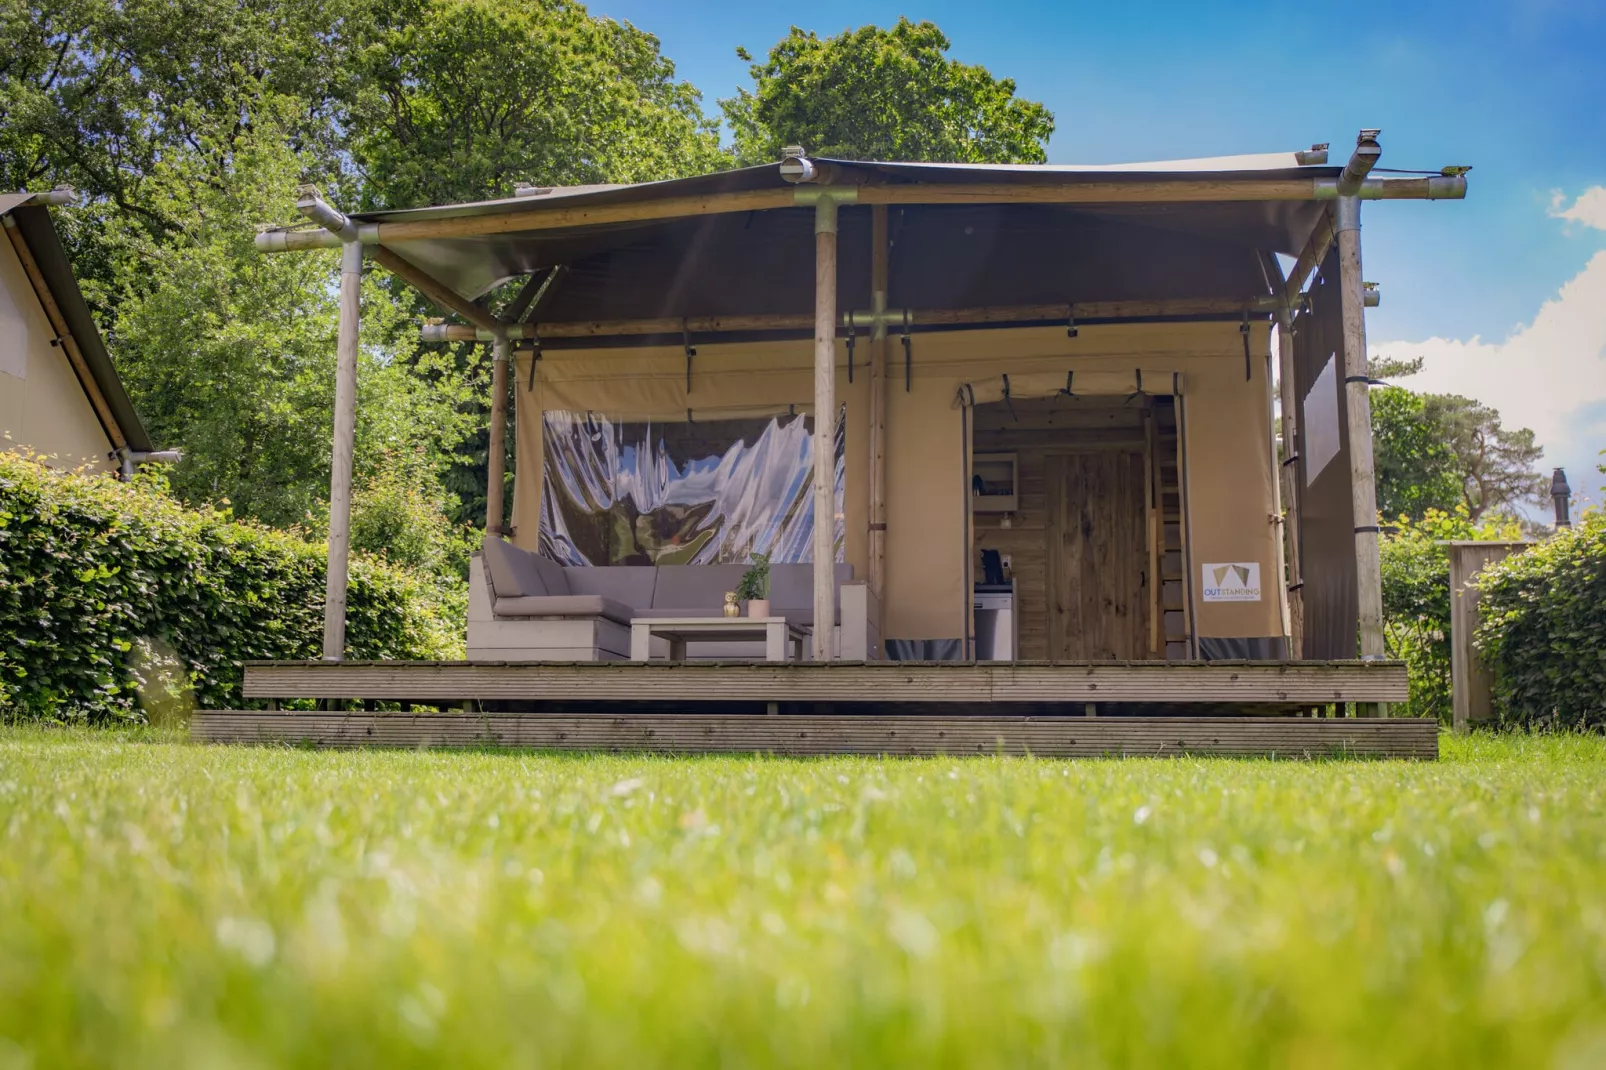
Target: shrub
1543 628
1416 600
400 513
114 598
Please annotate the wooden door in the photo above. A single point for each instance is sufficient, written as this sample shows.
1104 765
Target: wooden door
1098 557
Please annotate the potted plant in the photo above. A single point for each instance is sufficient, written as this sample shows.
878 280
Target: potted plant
755 586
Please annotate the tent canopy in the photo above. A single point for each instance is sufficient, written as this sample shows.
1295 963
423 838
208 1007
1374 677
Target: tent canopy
943 255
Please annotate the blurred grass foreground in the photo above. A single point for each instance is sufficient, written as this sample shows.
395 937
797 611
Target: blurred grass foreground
163 904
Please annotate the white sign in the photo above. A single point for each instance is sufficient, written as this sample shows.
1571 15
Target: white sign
1321 421
1236 581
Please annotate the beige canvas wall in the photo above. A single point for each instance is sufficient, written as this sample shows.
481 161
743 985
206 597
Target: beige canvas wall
1227 450
42 405
1227 439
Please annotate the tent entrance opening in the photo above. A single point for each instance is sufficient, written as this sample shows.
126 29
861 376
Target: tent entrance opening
1082 540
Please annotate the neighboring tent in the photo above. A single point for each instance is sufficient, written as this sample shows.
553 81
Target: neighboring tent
60 397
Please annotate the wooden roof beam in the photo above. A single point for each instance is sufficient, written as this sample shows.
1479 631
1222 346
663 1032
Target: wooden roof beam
867 319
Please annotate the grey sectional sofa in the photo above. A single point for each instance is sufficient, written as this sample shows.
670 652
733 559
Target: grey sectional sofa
525 607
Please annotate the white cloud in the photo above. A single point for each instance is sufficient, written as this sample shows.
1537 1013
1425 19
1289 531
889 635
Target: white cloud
1549 374
1589 209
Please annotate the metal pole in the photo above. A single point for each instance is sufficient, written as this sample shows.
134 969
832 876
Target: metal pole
824 425
496 463
334 609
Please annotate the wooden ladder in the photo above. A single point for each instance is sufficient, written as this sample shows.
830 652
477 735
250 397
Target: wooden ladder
1177 628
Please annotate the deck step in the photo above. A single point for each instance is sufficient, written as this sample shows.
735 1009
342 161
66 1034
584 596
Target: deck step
905 735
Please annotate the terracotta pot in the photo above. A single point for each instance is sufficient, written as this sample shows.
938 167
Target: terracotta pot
758 607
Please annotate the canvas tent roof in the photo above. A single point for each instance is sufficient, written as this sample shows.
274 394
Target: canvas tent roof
944 255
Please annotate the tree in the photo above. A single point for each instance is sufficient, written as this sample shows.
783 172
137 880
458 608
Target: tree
874 94
1415 467
457 99
1495 466
101 94
1440 451
230 355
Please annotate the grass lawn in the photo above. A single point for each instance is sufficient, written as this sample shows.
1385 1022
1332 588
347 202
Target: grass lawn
163 904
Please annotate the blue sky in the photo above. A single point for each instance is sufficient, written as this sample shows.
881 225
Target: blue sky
1516 89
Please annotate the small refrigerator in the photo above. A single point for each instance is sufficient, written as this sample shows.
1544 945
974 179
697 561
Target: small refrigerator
994 610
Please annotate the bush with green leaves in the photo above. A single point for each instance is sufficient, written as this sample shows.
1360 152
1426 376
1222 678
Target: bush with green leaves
401 514
115 598
1543 628
1416 600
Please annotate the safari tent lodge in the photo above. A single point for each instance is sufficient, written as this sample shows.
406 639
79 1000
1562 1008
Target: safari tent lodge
1037 418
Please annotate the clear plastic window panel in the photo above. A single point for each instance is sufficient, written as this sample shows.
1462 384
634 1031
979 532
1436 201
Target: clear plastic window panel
630 492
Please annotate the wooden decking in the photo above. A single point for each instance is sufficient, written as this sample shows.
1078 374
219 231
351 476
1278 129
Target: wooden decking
1052 710
900 735
1268 686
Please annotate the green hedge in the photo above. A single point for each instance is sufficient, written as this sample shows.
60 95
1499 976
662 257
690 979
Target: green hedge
1416 600
1543 629
115 599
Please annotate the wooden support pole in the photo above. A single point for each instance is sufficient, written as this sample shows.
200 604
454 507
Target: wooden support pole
1310 257
334 606
1278 521
496 460
825 212
1368 566
64 336
1288 482
879 279
514 312
1286 485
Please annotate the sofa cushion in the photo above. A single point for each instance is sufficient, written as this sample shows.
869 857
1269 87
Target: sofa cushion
631 585
516 573
792 586
692 587
564 605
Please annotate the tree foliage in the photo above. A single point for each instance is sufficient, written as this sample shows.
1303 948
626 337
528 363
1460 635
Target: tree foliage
1415 466
882 94
402 513
232 354
1440 451
456 100
1495 465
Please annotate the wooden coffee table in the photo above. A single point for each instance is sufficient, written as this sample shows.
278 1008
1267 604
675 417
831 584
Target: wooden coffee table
779 637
